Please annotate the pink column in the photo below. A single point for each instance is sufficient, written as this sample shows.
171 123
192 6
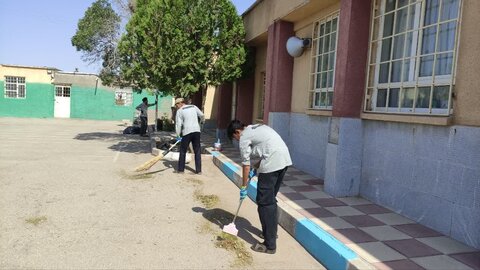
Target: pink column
245 93
352 52
224 108
279 72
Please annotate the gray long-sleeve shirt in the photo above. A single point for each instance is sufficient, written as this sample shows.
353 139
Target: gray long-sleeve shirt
261 141
187 118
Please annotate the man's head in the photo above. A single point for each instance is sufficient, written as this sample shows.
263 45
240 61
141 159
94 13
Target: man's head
234 129
145 100
179 102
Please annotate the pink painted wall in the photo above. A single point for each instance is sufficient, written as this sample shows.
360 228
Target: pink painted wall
352 53
279 71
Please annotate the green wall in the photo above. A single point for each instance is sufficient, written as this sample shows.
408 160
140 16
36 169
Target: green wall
99 104
38 102
85 103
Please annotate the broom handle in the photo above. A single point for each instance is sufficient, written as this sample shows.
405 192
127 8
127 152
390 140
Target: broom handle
238 209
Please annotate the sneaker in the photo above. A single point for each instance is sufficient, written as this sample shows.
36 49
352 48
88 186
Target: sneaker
179 172
259 247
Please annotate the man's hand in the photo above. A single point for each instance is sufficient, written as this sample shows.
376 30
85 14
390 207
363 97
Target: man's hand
243 192
179 139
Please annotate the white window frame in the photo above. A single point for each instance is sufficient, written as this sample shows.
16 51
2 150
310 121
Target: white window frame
62 88
316 92
415 81
126 98
18 82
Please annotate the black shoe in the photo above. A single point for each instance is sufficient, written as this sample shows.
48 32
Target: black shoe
260 235
259 247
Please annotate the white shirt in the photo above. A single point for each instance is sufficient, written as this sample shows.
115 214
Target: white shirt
187 118
261 141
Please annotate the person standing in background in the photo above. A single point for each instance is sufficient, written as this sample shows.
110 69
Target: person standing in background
143 108
187 127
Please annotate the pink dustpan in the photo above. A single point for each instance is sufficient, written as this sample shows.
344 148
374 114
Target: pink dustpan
231 228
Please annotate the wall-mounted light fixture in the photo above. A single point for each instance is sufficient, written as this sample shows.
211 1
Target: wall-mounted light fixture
296 45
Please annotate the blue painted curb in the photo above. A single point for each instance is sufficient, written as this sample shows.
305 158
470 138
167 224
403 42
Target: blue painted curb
324 247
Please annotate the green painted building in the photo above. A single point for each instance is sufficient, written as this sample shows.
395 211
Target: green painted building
44 92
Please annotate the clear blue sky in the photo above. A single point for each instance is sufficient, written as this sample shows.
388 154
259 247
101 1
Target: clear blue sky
38 32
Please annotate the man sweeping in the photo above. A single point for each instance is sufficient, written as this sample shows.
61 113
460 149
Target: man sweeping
263 143
187 128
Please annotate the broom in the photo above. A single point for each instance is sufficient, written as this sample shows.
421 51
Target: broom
231 228
147 165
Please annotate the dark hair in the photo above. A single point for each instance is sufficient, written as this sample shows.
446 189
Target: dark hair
144 99
233 126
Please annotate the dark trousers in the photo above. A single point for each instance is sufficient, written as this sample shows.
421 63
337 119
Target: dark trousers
195 139
143 125
267 189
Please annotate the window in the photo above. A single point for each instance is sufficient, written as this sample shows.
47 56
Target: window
324 50
62 91
412 56
123 98
15 87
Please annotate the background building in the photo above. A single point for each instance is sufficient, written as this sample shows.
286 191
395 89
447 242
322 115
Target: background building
48 92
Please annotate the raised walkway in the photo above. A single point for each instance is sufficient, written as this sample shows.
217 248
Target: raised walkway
350 232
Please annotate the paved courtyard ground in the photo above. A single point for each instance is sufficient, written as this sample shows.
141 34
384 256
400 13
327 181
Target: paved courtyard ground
69 199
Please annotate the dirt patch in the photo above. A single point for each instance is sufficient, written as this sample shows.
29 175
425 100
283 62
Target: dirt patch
233 244
208 201
137 176
36 220
194 181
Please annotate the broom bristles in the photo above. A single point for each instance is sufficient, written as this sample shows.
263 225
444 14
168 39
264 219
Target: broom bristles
147 165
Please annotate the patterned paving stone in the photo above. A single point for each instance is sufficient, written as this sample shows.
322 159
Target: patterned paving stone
412 248
354 235
328 202
385 233
371 209
376 252
446 245
392 219
318 212
471 259
291 196
363 221
440 262
303 188
417 230
397 265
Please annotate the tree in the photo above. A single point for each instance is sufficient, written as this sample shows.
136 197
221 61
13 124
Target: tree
97 32
181 46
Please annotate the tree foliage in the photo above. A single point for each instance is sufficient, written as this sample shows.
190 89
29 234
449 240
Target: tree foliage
97 33
179 46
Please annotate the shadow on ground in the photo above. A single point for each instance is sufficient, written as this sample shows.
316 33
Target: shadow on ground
130 143
220 218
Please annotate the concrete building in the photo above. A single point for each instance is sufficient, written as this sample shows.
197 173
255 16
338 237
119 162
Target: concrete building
47 92
382 104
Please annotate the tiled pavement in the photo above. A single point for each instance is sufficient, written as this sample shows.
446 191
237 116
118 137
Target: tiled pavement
384 239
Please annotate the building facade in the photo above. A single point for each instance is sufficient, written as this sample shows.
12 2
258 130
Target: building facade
43 92
382 104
